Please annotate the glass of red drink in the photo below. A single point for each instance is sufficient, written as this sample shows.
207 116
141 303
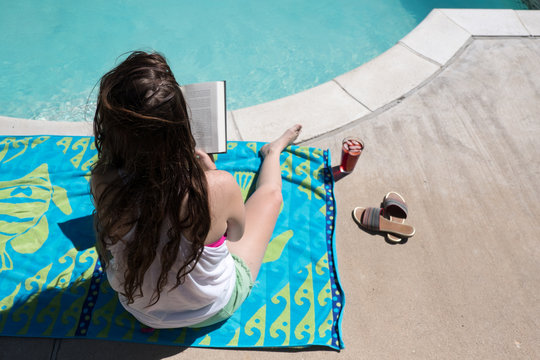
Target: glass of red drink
351 149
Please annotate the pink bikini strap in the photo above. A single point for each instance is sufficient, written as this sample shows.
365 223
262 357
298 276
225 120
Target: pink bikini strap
218 243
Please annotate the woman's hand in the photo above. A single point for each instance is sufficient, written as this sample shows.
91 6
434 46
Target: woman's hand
206 162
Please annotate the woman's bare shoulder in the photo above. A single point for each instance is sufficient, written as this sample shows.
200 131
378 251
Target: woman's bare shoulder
224 193
220 181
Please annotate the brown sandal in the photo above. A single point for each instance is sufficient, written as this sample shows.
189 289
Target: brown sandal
394 209
371 219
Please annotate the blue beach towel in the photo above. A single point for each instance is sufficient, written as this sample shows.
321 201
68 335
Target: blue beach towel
52 283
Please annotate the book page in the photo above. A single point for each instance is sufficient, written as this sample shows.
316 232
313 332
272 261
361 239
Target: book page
206 105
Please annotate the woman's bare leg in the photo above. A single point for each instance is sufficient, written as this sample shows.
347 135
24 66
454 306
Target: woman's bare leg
262 207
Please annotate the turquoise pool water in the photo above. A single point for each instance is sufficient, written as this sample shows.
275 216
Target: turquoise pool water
53 52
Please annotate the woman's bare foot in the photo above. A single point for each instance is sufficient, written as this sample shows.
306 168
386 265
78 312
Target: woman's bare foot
286 139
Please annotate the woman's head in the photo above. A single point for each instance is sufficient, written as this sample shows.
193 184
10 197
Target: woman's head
142 129
141 116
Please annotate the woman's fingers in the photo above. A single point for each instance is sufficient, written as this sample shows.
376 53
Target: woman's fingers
205 160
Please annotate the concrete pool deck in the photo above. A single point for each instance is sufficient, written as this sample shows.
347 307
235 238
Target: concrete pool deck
451 119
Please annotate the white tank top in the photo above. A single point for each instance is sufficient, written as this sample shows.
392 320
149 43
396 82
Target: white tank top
204 292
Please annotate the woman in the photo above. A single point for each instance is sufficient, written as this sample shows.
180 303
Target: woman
163 209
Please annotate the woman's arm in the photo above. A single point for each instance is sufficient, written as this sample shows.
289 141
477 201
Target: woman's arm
226 201
236 219
226 204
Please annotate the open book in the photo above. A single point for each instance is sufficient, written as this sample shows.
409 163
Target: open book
208 109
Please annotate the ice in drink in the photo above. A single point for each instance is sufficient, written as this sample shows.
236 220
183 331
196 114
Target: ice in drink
350 152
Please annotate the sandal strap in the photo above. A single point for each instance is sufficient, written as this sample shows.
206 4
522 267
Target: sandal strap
370 218
394 206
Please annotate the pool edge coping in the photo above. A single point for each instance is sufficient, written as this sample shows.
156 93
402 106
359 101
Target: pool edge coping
361 93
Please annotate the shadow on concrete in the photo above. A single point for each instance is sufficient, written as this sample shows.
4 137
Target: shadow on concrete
338 174
105 350
114 350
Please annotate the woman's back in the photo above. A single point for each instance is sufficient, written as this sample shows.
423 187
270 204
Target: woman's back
207 287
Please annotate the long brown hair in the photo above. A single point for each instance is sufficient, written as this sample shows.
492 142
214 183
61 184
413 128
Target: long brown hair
142 129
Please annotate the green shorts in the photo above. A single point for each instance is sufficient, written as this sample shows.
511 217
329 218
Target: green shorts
242 288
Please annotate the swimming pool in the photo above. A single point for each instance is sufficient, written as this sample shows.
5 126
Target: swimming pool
54 51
